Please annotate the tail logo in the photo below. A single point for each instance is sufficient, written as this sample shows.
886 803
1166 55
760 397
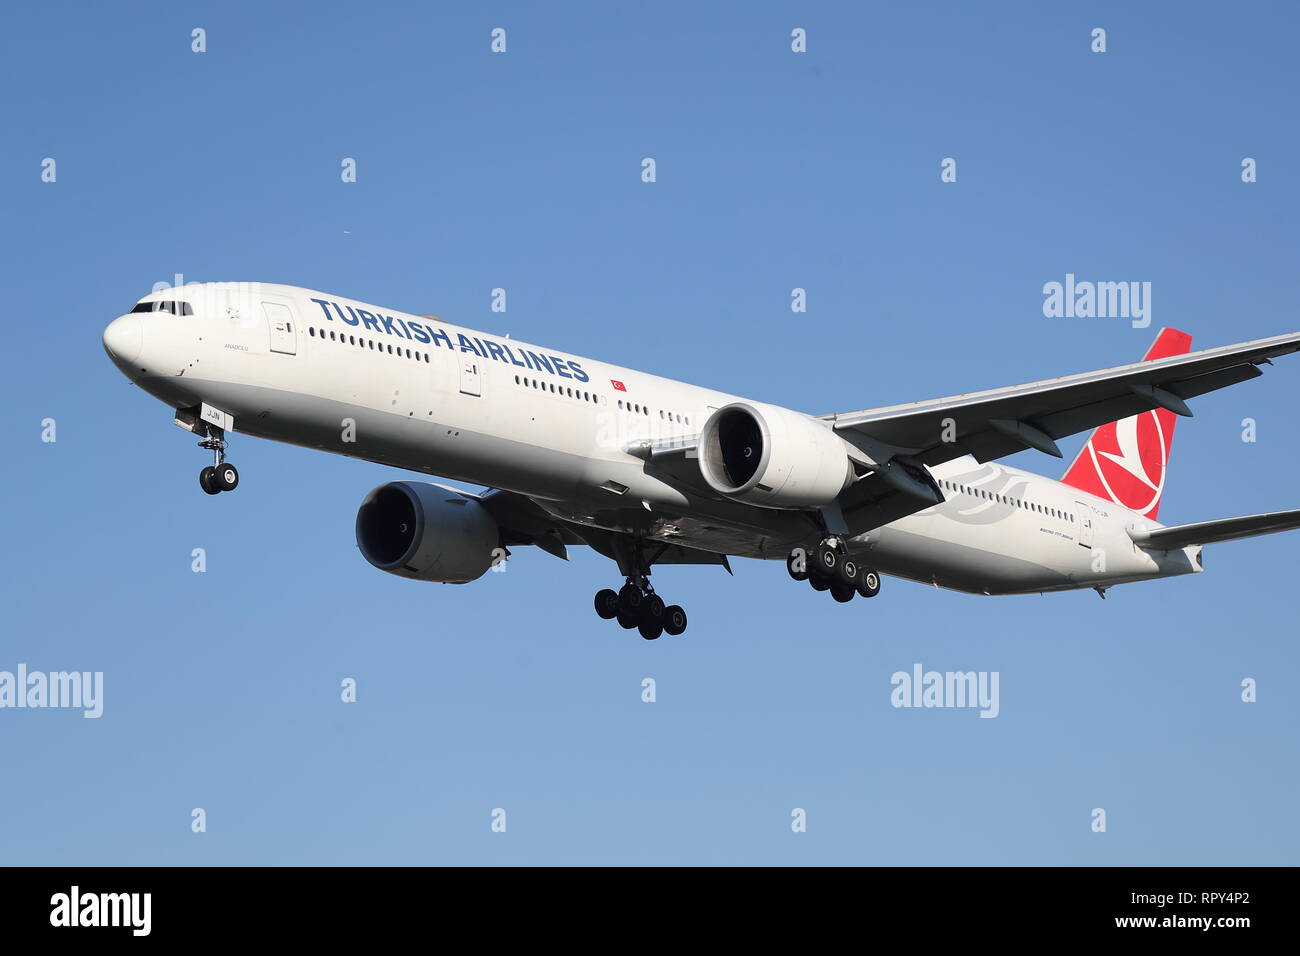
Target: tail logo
1127 476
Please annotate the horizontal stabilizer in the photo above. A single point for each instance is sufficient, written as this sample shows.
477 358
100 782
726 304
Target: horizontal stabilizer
1209 532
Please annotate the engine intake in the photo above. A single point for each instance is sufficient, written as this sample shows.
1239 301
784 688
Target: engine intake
419 530
773 457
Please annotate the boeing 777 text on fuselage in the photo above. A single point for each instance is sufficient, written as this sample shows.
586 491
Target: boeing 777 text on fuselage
650 471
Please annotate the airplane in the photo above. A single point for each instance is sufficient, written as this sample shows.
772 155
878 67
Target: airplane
648 471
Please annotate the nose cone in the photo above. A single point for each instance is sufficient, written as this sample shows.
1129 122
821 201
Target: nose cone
123 340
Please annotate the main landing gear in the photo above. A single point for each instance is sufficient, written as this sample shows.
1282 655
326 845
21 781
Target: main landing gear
636 605
220 475
831 568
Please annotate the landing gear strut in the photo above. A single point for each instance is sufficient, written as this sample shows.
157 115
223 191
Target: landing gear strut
830 567
220 475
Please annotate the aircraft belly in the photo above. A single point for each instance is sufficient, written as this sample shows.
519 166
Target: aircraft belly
960 565
985 552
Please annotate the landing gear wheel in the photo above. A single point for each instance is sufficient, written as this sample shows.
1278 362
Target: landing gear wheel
674 620
218 476
650 630
606 604
208 480
625 622
827 560
227 477
796 563
842 592
652 609
848 573
819 583
630 599
868 583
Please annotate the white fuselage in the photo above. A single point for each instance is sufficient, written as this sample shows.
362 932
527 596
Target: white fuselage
343 376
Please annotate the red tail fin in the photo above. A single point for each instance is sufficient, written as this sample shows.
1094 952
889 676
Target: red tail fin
1126 461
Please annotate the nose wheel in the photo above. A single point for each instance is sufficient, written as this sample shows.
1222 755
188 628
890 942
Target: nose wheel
637 607
220 475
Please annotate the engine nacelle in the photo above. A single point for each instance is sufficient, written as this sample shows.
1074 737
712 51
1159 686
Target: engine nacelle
418 530
773 457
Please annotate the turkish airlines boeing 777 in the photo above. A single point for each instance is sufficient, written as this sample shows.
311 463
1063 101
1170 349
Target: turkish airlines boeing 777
651 471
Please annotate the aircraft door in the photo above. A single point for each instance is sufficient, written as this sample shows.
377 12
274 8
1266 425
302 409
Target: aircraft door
280 320
1083 524
470 374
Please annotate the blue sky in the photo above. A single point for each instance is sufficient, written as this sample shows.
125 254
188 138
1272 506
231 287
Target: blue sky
775 170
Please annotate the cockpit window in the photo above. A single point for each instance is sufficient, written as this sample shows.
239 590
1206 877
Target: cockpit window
175 308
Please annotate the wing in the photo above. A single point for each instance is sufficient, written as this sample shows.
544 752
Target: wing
1001 421
525 522
1209 532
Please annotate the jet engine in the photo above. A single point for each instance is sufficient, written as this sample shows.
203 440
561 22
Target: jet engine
427 532
773 457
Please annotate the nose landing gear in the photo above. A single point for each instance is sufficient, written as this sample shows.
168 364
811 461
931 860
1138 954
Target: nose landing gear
220 475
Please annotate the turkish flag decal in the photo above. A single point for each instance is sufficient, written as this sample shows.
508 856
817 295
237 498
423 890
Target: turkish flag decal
618 386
